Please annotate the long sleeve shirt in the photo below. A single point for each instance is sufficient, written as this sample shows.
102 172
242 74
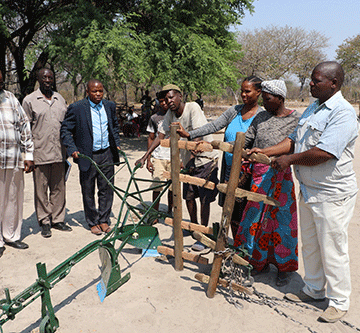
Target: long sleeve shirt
99 126
45 118
15 133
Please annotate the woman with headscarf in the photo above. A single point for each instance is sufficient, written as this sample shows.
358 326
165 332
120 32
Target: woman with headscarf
269 233
235 119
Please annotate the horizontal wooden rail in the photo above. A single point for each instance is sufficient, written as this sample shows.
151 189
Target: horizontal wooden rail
191 226
192 180
205 279
185 255
211 244
251 196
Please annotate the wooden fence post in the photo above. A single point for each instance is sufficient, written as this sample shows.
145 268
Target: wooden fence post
177 199
227 213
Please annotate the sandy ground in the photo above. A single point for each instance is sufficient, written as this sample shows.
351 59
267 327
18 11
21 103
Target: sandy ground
156 298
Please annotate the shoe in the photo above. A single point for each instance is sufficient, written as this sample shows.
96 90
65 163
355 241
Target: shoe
198 246
61 226
186 233
156 221
332 315
45 230
266 269
301 297
282 279
18 245
2 249
105 227
95 229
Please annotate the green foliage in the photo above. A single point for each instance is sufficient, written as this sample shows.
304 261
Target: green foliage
189 42
112 55
129 41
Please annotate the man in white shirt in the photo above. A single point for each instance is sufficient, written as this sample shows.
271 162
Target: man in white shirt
159 160
203 165
321 149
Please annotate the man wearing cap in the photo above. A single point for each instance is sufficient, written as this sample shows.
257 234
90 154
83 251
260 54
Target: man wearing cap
321 149
203 165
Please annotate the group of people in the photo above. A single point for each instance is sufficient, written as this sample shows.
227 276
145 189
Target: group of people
37 136
319 145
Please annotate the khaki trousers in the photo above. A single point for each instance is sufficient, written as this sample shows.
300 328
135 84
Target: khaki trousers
49 186
324 234
11 204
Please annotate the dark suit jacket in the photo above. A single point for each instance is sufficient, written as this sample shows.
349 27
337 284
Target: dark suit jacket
77 135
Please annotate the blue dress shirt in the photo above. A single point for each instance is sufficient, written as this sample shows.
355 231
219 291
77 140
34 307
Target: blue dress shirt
99 126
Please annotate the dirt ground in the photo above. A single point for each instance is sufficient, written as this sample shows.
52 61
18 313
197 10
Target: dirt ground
157 298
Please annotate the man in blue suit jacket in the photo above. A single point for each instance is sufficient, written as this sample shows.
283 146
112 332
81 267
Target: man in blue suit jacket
91 128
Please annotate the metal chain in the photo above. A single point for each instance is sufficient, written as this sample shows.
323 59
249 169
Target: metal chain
236 273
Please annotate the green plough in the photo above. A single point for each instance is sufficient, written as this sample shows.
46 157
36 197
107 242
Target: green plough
138 233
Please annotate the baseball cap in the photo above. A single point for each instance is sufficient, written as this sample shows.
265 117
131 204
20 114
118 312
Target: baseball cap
170 87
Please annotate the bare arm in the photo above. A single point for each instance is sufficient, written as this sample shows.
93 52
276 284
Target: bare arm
311 157
284 147
152 147
150 140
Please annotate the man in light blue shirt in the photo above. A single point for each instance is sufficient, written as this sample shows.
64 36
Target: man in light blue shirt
99 126
91 128
321 148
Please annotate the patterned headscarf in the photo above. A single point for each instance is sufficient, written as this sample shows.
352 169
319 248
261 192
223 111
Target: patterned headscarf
274 87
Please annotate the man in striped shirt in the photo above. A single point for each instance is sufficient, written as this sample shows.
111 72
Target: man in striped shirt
16 156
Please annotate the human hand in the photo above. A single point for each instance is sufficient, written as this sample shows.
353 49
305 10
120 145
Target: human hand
141 161
150 166
181 131
198 149
75 155
281 163
29 166
252 151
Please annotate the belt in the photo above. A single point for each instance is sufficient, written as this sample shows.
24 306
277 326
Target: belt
101 151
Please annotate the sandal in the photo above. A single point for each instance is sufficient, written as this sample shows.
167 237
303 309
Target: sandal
105 227
96 230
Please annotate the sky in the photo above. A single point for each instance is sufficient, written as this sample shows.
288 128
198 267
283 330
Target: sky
336 19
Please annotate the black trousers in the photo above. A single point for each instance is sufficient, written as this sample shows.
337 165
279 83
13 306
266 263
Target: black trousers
93 215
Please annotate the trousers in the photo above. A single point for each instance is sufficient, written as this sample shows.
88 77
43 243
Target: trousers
49 186
11 204
105 194
324 234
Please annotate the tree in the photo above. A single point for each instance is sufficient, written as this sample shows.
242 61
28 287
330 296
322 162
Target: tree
24 28
155 42
189 42
138 42
348 54
275 52
20 21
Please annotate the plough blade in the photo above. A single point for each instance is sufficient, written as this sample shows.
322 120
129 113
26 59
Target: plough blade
110 272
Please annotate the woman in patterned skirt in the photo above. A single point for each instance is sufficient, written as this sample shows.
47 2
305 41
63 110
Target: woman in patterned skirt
269 233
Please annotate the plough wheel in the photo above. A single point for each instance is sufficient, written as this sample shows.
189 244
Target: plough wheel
45 326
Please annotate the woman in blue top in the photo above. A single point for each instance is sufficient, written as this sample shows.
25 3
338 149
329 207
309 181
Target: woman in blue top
236 119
